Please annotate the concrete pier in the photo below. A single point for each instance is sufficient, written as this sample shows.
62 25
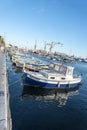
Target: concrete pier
5 117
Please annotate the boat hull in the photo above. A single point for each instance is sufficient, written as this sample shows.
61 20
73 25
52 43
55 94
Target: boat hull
62 85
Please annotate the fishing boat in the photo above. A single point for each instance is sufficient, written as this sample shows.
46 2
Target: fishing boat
35 66
20 60
56 76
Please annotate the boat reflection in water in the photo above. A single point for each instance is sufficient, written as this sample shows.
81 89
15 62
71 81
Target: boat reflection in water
16 70
60 97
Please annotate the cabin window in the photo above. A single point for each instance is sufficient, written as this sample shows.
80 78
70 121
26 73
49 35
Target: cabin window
62 69
57 67
52 65
52 77
69 71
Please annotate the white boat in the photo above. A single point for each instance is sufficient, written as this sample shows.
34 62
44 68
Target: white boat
20 60
35 67
57 76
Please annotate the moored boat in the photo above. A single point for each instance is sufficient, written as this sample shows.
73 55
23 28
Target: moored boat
20 60
35 67
56 76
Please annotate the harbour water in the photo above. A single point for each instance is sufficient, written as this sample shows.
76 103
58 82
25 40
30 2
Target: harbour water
39 109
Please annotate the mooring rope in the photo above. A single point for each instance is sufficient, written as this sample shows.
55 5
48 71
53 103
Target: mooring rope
16 81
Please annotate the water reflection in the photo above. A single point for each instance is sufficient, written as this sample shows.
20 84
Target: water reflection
60 97
16 69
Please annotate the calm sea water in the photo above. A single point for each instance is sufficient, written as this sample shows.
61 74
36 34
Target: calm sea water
39 109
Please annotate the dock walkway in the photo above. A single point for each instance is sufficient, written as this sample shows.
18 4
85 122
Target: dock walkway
5 118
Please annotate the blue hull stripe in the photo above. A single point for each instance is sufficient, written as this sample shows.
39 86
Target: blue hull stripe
29 81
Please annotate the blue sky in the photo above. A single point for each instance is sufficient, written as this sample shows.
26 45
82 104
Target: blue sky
24 21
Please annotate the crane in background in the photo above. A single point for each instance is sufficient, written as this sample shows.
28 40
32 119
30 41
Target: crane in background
52 44
45 46
35 46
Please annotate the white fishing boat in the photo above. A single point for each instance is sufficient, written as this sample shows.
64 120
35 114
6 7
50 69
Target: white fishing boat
19 59
35 66
56 76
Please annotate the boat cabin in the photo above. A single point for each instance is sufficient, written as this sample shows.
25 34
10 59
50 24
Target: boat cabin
59 72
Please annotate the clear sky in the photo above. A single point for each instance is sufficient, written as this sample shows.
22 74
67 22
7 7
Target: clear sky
24 21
